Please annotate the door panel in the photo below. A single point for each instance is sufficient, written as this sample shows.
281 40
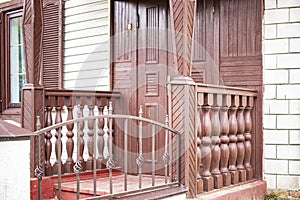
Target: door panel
124 76
152 74
140 73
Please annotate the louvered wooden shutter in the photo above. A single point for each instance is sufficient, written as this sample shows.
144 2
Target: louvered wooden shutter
52 44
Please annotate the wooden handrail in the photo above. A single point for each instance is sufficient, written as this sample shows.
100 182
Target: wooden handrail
217 89
76 93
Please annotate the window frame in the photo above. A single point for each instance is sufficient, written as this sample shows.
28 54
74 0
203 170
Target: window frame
8 16
8 10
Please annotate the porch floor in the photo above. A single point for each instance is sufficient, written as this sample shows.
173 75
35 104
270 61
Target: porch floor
102 185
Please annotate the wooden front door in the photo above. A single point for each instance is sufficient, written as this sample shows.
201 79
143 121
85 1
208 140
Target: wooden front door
140 70
152 73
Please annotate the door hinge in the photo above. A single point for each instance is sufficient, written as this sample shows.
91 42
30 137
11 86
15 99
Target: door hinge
137 21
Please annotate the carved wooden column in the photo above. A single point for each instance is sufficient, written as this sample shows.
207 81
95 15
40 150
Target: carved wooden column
248 136
58 142
81 140
225 140
100 142
208 181
32 104
48 144
182 115
233 139
199 156
216 153
241 139
182 14
70 142
90 143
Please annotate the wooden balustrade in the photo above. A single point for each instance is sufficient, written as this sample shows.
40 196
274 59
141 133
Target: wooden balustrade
224 135
59 103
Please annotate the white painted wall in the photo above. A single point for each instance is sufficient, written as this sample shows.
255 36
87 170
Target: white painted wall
86 46
15 170
282 94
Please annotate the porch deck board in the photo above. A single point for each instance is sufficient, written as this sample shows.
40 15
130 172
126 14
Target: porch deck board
86 186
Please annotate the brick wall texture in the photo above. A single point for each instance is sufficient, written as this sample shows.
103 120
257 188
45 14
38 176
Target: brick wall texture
282 94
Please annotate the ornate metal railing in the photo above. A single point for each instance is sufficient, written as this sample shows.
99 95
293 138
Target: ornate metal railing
101 148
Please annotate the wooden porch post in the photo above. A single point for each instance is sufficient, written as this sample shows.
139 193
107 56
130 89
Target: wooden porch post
182 21
182 98
32 92
182 110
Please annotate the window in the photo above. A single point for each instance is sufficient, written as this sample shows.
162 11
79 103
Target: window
12 65
16 58
12 76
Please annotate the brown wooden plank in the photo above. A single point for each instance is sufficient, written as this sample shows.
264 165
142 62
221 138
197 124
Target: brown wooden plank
242 30
224 28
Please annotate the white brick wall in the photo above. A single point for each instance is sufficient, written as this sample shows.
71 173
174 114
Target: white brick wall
282 94
15 170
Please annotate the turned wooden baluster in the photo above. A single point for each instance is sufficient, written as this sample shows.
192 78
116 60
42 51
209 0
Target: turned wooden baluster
58 142
70 142
199 164
105 135
208 182
224 141
241 139
216 153
100 142
248 145
232 141
81 140
111 131
90 143
48 144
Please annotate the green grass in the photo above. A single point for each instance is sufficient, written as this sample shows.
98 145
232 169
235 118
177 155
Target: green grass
276 197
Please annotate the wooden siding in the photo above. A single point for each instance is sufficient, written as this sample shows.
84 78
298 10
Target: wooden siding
86 45
240 42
